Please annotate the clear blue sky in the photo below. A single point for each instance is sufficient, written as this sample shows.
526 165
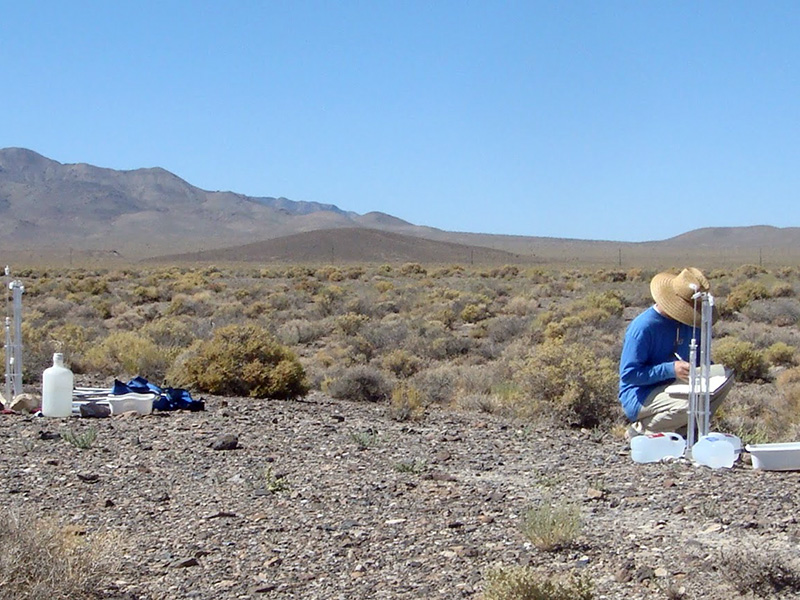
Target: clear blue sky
621 120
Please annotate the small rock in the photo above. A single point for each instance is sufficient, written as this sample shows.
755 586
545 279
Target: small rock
49 435
660 572
436 475
185 562
226 442
95 410
595 494
89 477
25 403
441 456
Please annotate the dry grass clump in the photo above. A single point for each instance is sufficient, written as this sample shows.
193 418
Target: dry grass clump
41 559
552 526
525 583
241 360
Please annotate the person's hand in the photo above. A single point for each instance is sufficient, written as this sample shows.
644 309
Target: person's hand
682 370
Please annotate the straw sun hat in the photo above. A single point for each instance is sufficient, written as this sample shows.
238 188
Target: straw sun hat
673 294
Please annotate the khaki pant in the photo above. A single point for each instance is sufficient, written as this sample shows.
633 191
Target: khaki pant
663 412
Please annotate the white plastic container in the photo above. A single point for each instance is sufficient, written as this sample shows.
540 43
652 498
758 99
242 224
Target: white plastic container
131 402
728 437
657 446
57 384
715 450
775 457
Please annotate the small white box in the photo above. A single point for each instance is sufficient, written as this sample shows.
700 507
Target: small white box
775 457
139 403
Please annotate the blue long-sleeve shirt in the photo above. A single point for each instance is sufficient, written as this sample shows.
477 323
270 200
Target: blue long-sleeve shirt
648 357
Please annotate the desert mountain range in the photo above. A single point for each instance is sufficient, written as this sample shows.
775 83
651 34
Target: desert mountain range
50 211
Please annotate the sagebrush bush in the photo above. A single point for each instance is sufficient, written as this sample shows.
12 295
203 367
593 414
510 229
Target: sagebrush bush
780 354
407 404
401 362
744 293
743 357
125 354
568 382
241 360
361 383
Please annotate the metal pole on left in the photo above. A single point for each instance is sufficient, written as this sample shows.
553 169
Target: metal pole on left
17 289
9 389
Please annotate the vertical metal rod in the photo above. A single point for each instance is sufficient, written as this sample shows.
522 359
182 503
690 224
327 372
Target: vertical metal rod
705 362
18 288
699 418
9 390
692 422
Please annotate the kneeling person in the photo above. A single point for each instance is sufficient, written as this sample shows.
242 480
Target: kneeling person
655 354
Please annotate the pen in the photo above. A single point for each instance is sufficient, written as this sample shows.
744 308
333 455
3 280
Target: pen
678 356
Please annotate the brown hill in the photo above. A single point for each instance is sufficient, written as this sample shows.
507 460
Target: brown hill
351 245
51 211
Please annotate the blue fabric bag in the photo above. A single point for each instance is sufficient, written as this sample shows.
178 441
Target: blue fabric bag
168 399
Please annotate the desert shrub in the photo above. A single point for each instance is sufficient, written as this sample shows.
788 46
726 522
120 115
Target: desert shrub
552 526
301 331
41 559
329 273
401 363
329 300
505 327
40 343
383 287
744 293
749 271
760 573
241 360
350 323
360 383
568 382
521 306
780 353
473 313
782 289
413 269
743 357
407 404
781 312
525 583
610 276
170 332
146 294
128 353
198 305
437 384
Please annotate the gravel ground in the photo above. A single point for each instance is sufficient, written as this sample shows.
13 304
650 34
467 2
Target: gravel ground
329 499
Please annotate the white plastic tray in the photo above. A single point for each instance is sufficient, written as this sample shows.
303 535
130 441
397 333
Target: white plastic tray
775 457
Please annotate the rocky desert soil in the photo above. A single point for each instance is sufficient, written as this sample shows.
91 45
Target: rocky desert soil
324 499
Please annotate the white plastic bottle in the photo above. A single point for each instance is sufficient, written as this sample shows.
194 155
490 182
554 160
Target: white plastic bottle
714 451
657 446
57 388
